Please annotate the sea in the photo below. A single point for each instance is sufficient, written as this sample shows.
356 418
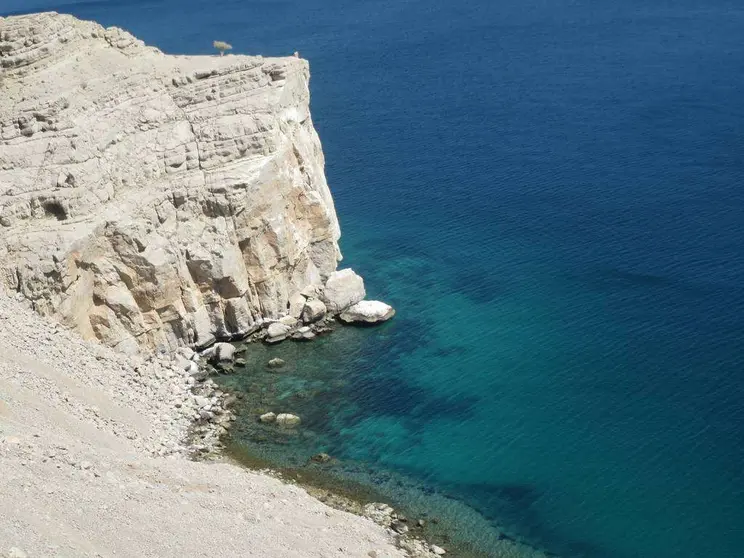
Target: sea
551 195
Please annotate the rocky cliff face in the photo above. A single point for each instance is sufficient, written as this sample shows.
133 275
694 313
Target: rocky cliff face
153 201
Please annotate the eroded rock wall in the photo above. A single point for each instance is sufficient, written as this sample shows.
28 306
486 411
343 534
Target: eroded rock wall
153 201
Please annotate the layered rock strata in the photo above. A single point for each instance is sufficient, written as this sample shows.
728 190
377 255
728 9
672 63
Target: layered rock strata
154 201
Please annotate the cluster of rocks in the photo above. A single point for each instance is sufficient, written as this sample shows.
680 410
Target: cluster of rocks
212 418
344 296
126 253
313 310
408 539
384 515
287 420
310 313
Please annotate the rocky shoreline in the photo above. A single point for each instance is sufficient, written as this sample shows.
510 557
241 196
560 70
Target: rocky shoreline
224 229
162 416
199 411
312 312
211 412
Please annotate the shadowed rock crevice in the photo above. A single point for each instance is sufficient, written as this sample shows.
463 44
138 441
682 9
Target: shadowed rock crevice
55 209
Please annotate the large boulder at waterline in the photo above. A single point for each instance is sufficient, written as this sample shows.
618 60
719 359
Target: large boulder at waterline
277 332
313 311
367 312
342 289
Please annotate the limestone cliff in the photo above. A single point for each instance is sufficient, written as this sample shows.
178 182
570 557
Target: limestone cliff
153 201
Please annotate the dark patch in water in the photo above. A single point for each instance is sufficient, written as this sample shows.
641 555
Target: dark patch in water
417 335
452 350
615 277
516 494
636 278
513 507
478 285
514 499
391 395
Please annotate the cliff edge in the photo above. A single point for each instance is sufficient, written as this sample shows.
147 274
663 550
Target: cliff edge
153 201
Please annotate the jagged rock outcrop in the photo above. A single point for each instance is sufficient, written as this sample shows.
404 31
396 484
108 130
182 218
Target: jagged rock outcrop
156 201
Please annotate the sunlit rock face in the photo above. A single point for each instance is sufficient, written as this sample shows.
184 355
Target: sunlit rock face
153 201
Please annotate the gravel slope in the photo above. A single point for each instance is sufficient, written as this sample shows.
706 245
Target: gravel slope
92 464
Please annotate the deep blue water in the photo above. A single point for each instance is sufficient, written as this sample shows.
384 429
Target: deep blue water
551 193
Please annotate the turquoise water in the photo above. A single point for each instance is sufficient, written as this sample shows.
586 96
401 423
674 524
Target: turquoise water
552 196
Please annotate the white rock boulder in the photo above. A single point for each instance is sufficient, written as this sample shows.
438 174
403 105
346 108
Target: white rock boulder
288 321
313 311
296 304
342 289
277 332
224 352
287 420
368 312
267 418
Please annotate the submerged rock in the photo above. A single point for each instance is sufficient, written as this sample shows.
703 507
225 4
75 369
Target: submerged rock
267 418
342 289
287 419
276 363
368 312
321 458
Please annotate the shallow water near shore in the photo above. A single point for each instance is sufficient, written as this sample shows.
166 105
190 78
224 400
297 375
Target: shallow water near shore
550 194
316 384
